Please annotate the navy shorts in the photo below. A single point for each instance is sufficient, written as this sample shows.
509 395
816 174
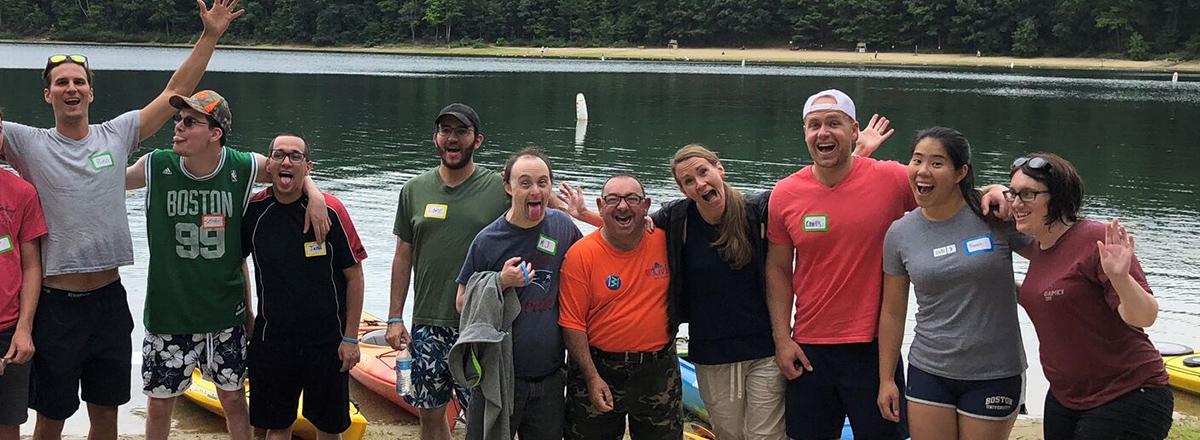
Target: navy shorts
996 399
844 383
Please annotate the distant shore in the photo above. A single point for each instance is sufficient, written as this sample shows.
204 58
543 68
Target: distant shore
777 56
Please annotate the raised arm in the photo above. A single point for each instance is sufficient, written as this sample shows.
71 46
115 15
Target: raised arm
135 175
873 136
216 21
1138 307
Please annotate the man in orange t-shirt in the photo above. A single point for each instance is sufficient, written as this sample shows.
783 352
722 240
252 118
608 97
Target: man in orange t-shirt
613 310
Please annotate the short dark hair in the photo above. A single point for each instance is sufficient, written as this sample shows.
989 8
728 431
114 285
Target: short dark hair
1063 183
625 176
307 148
531 150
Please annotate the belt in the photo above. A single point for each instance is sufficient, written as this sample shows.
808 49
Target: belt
635 357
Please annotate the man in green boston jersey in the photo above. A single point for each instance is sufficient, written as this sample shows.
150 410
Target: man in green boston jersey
197 302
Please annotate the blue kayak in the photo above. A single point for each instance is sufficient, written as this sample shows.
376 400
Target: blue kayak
691 392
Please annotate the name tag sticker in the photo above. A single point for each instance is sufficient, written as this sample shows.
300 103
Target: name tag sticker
816 223
547 245
102 160
436 210
6 244
944 250
312 249
212 221
978 245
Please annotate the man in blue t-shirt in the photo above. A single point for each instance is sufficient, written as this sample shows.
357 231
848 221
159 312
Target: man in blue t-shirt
526 246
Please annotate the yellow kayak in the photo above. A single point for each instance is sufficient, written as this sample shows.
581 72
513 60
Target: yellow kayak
204 393
1184 372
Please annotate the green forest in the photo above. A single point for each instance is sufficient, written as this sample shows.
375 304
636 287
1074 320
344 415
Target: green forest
1107 28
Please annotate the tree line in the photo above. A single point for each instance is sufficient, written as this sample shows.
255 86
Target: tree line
1138 29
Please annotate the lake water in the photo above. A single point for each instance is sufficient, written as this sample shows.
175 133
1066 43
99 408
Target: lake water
368 118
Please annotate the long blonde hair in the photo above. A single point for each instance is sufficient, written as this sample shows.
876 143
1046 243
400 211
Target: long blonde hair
733 240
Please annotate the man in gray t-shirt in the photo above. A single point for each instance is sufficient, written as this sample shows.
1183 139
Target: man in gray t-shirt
82 326
961 272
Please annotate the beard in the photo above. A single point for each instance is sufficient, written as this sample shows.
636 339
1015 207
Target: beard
465 158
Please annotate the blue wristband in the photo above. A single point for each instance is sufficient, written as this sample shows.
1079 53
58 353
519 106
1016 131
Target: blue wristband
349 340
395 320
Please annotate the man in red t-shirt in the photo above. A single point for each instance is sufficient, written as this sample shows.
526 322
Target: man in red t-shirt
832 217
613 311
21 227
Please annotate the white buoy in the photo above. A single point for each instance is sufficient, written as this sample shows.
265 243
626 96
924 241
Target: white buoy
580 132
1175 77
601 57
1010 65
743 63
581 113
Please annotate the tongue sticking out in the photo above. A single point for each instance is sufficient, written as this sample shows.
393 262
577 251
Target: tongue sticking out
285 179
535 210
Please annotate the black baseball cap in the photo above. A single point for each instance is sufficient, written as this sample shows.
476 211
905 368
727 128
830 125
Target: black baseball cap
464 113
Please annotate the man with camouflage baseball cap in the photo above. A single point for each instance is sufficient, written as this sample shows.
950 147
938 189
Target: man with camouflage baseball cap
197 311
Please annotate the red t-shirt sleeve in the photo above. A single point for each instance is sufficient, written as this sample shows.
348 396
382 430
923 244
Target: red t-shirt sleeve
33 222
343 217
573 291
899 172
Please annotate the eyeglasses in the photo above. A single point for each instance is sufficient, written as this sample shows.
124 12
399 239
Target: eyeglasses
295 156
1034 163
631 199
1026 195
189 121
448 131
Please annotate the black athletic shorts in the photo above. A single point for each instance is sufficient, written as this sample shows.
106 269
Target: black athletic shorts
844 383
83 344
1141 414
280 372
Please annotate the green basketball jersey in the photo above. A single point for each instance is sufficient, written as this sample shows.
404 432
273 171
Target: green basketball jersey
195 282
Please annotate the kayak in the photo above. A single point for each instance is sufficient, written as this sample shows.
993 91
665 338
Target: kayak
1183 366
376 368
204 394
693 403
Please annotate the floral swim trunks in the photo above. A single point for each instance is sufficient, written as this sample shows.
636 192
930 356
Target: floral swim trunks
168 361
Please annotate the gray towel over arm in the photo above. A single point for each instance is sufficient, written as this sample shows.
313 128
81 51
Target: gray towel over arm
486 335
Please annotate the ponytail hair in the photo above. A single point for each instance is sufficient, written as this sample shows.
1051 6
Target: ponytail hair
733 239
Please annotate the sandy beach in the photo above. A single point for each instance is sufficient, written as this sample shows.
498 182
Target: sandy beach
778 56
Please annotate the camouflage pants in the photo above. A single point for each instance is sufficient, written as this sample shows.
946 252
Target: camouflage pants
649 393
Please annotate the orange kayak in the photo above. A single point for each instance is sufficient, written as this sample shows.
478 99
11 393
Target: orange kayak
376 368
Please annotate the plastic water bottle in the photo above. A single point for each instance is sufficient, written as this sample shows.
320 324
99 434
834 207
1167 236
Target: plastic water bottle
404 374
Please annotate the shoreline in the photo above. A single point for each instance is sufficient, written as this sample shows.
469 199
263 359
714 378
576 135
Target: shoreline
756 56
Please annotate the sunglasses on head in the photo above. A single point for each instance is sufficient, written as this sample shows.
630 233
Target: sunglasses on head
59 59
1034 163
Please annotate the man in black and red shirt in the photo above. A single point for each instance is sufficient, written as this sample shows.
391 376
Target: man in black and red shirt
310 297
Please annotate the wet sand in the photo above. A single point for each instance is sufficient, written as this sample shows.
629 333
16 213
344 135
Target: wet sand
388 422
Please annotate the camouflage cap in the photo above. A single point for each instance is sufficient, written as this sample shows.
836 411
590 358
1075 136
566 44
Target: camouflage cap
210 103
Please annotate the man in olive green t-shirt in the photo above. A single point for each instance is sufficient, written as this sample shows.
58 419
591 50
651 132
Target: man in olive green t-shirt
439 213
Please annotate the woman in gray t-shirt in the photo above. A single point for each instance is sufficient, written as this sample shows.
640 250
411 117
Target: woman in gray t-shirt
966 360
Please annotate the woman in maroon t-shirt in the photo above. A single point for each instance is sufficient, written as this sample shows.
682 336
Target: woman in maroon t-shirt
1088 299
